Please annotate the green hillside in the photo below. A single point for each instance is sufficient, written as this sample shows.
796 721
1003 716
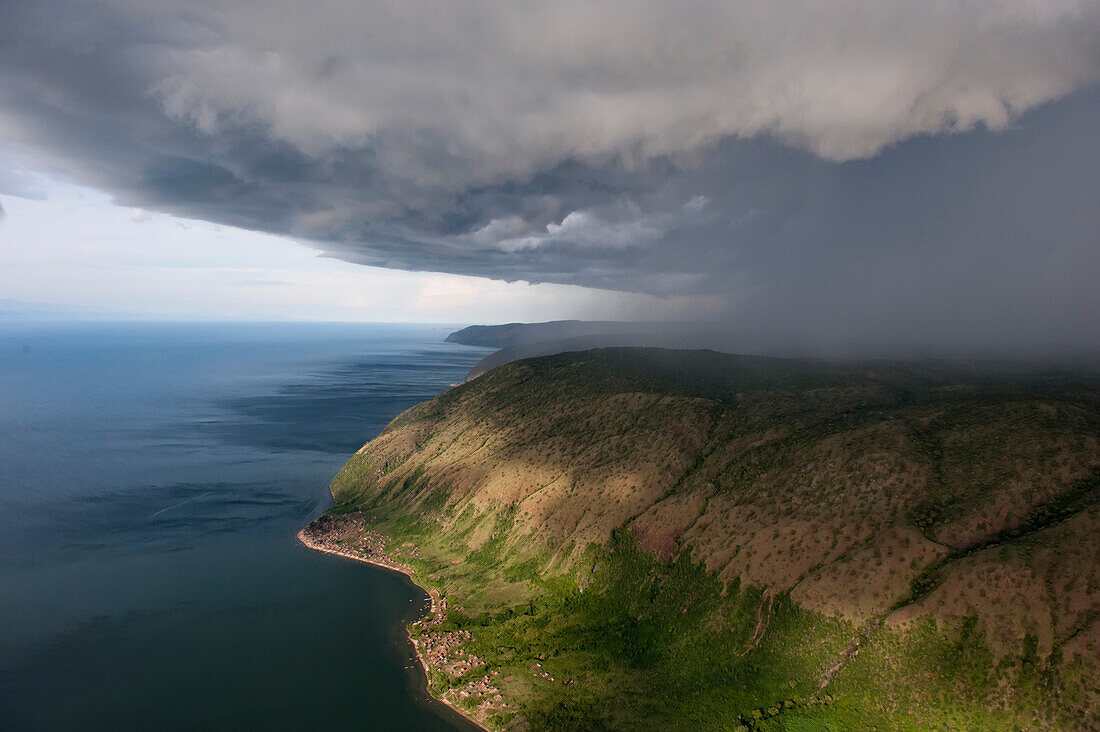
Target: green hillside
648 539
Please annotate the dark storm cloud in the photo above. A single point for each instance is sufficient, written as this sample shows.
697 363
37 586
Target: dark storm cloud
865 170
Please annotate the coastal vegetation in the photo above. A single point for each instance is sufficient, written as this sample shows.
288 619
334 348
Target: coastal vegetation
650 539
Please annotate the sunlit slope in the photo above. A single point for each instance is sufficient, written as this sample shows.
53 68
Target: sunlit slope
901 543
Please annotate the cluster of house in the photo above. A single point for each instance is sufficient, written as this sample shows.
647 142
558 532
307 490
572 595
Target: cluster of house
442 650
484 690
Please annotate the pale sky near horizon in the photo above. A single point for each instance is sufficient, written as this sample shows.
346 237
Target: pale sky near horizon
65 244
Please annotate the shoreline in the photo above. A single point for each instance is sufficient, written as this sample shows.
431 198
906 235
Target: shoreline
436 609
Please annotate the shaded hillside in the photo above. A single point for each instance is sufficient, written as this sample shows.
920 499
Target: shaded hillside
551 347
647 539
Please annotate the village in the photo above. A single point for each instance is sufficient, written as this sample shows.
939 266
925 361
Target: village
439 650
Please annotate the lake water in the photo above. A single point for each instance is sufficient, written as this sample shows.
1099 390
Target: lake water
152 480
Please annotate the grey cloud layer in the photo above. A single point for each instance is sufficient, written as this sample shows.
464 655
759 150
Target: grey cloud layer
512 87
825 168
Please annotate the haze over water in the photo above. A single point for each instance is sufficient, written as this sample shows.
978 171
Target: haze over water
152 480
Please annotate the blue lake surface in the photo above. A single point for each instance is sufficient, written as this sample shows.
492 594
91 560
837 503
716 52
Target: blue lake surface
152 480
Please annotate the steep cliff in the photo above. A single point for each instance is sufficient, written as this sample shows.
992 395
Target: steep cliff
639 538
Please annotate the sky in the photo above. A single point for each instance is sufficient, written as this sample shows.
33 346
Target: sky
845 172
63 244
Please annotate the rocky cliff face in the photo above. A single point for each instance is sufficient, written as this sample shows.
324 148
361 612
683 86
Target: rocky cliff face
913 513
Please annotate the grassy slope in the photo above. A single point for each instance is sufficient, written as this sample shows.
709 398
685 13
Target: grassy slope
700 540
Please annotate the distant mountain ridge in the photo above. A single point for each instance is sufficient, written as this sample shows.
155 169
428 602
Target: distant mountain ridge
517 341
526 340
514 334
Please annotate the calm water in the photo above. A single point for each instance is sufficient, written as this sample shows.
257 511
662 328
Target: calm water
152 479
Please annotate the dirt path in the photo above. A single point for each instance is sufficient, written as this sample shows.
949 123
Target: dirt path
763 619
849 653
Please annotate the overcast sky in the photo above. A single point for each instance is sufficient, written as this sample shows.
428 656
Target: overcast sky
853 171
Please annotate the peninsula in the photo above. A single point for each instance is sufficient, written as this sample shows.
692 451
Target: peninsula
637 538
